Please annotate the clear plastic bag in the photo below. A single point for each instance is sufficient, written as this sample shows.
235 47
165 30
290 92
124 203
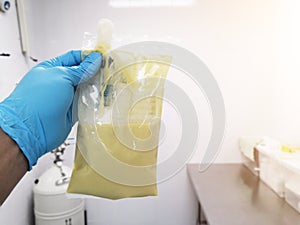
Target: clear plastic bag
119 113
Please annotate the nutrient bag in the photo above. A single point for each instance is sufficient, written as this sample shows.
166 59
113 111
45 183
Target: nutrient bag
119 112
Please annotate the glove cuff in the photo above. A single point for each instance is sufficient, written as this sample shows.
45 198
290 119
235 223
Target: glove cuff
14 127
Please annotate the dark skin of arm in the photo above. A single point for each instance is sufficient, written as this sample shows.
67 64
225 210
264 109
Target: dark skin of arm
13 165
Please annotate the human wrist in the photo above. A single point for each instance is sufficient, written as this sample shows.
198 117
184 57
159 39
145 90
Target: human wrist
18 131
8 145
13 165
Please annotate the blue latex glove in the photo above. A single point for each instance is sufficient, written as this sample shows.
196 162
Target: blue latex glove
38 113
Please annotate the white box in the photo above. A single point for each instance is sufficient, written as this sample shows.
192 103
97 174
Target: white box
246 146
272 173
291 163
250 164
271 170
292 194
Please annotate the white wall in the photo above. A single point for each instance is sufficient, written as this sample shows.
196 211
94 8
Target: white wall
251 47
17 208
13 67
286 105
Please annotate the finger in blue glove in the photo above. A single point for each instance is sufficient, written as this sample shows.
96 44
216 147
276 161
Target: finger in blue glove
38 113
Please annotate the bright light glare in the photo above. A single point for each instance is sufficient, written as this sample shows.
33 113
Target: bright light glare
148 3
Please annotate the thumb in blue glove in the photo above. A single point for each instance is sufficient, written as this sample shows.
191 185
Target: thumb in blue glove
38 113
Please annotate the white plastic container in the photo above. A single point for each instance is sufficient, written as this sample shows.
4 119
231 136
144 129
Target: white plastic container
250 164
246 146
75 217
271 170
291 163
51 206
292 194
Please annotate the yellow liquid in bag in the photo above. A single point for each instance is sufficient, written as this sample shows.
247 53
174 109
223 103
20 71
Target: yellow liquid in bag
103 160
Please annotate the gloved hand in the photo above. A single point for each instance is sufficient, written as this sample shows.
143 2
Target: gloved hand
38 113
